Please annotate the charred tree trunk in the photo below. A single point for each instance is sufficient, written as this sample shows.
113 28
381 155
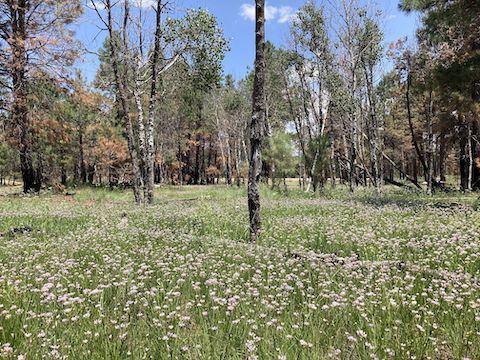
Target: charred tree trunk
63 177
203 172
20 107
257 125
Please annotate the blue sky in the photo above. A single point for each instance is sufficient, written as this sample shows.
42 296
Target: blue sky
235 17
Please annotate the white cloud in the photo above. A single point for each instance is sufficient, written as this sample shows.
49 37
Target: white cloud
247 11
281 14
286 14
271 12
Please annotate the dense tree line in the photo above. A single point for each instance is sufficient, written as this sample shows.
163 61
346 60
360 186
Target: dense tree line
338 106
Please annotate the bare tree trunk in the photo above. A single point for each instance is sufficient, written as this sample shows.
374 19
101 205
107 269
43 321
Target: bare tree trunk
333 168
442 158
237 163
83 168
410 124
137 92
313 177
19 82
180 164
222 153
203 172
374 131
196 170
346 170
430 144
470 158
150 155
124 106
245 151
381 147
141 125
353 135
229 162
257 126
415 169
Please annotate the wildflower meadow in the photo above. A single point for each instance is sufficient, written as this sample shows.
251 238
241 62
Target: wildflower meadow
333 276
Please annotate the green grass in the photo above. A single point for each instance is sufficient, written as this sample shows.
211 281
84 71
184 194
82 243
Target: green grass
334 275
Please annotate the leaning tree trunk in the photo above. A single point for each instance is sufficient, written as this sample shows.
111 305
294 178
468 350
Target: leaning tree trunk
257 126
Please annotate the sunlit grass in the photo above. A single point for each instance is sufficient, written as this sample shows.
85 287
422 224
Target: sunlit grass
334 275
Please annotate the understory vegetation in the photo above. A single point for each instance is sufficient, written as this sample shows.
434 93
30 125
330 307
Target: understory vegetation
333 275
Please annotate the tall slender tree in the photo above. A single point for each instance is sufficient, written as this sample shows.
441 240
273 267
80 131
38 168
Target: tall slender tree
257 125
33 37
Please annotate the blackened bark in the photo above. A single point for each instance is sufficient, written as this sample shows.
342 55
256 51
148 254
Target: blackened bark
257 125
476 90
203 171
19 82
91 174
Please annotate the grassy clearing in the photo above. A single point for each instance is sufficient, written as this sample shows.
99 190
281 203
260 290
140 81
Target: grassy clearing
334 276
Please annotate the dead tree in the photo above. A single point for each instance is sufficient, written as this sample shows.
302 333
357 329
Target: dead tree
257 125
